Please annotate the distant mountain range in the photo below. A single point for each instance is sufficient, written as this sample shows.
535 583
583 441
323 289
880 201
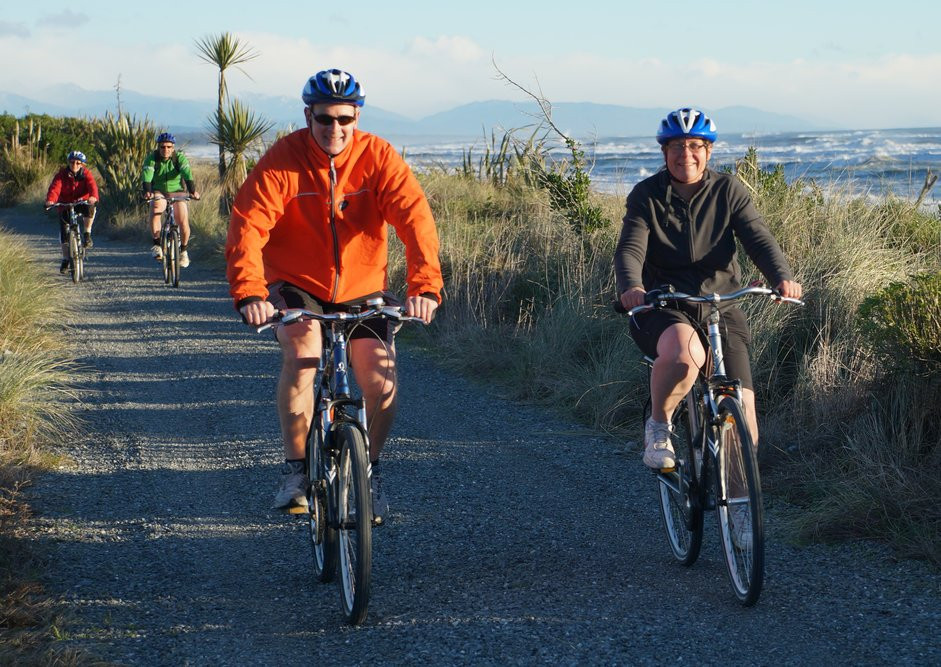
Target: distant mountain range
579 119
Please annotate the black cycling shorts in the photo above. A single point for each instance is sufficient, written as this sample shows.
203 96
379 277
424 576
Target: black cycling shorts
647 328
285 295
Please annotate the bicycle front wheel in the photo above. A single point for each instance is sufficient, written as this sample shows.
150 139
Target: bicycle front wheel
739 504
678 490
164 263
323 536
355 522
75 262
173 257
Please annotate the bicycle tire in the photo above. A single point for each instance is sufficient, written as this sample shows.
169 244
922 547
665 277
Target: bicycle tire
354 512
681 508
173 246
165 259
323 536
75 264
81 260
739 503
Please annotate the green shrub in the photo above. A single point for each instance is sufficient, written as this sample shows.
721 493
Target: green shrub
123 142
903 321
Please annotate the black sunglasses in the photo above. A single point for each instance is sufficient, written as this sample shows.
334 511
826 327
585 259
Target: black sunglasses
327 119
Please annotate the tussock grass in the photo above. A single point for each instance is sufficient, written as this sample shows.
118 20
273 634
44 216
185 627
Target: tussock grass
527 306
35 379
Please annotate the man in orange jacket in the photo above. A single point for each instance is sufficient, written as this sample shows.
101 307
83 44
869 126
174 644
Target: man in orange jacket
309 230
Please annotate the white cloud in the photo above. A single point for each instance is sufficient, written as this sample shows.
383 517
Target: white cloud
66 20
8 28
454 48
432 75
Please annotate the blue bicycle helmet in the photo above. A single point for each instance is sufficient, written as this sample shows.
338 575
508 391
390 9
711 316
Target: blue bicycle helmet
166 137
333 86
686 122
76 155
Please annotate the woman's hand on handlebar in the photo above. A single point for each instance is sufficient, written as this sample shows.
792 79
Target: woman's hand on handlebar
632 297
790 289
421 306
257 313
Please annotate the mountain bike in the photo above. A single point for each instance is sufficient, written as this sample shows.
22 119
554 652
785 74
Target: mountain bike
73 229
170 239
716 460
339 497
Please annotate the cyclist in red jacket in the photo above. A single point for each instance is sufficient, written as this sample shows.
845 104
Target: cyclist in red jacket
72 183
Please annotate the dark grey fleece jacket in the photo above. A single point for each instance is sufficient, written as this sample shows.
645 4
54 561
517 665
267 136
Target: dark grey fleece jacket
691 245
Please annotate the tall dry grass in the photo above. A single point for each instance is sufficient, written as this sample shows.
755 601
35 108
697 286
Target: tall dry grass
527 306
36 380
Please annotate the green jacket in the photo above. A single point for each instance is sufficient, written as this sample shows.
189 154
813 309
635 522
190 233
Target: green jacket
167 175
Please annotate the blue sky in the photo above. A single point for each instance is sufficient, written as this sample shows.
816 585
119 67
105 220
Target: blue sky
852 64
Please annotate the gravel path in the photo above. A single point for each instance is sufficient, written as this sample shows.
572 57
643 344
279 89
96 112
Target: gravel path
514 537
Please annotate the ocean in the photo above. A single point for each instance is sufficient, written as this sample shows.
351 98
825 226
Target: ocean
867 163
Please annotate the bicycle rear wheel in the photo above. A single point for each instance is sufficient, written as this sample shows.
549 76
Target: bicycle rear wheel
75 262
678 490
739 504
355 518
323 536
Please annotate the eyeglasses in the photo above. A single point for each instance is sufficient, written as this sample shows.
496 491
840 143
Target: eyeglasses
680 146
326 119
75 162
166 146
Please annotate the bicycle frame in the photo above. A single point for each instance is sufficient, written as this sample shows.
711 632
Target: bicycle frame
73 235
170 238
720 470
339 507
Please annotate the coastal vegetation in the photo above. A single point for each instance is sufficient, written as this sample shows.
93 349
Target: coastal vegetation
37 380
849 389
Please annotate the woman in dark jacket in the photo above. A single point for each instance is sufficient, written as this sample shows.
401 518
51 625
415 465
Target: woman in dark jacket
680 229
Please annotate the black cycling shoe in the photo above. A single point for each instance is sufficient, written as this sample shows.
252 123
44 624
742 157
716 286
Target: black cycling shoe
64 266
86 240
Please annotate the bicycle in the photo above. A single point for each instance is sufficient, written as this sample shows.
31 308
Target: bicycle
716 461
339 497
170 239
74 239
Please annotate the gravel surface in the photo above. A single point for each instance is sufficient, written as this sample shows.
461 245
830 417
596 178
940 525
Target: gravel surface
514 537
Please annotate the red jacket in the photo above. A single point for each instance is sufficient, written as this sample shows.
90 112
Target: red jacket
291 221
67 188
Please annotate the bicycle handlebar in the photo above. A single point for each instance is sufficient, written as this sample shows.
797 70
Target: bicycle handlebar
658 298
62 204
186 197
294 315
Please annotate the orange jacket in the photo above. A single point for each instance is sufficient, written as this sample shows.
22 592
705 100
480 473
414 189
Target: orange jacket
289 222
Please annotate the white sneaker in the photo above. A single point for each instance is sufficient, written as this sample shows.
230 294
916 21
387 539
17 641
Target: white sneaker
380 501
658 450
156 252
184 259
293 490
740 518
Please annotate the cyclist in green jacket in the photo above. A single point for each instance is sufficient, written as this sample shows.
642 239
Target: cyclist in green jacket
166 171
